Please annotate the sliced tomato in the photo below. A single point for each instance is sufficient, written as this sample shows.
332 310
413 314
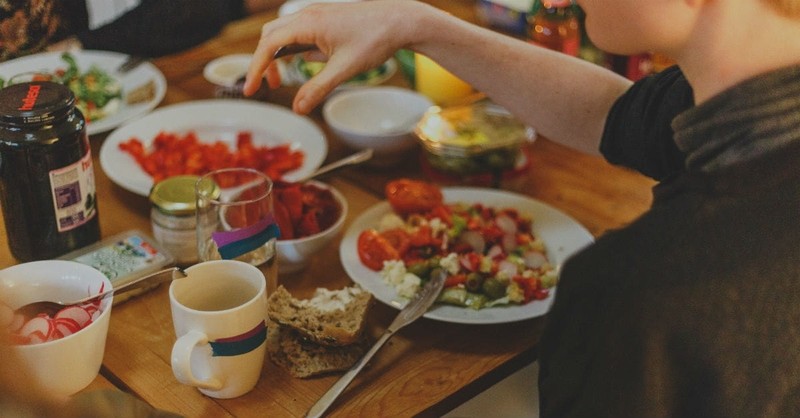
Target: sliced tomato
399 239
374 249
455 280
413 196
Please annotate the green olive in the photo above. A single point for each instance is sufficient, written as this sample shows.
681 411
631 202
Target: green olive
493 288
474 282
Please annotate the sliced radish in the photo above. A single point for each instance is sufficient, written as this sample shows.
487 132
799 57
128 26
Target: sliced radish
66 327
495 251
78 314
506 224
534 259
39 329
507 267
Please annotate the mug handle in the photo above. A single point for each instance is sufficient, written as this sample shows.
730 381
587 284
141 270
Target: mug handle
181 364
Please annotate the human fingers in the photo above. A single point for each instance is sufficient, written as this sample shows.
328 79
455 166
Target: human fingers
273 36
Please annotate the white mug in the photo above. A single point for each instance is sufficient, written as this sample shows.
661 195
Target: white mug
219 312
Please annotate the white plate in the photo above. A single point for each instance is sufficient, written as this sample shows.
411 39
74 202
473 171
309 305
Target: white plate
214 120
562 236
105 60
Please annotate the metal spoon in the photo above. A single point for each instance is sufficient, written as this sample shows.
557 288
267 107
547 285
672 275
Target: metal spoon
52 307
356 158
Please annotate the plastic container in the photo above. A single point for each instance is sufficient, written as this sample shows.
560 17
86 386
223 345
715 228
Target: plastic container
173 217
47 183
475 140
124 257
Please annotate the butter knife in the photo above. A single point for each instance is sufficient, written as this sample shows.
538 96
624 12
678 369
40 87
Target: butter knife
415 308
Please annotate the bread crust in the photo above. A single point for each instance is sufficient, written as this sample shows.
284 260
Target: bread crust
310 337
329 327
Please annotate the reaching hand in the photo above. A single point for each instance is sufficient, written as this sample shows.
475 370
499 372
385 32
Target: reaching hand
352 37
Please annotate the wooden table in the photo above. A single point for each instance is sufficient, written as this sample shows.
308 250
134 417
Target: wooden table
429 367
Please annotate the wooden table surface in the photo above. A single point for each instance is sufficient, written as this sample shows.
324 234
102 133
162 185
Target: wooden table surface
426 369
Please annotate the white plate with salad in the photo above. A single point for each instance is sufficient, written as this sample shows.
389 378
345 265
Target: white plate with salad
562 236
109 98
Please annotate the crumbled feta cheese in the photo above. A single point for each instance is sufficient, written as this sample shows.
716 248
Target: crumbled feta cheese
330 300
409 285
394 273
450 263
437 226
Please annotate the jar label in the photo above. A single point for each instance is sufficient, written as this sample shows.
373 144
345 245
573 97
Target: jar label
74 197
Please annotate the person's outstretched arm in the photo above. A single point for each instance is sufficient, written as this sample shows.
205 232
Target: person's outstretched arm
564 98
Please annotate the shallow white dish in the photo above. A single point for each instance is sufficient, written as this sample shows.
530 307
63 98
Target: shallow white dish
105 60
213 120
562 236
225 70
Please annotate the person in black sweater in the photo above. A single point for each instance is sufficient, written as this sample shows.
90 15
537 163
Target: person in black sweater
694 308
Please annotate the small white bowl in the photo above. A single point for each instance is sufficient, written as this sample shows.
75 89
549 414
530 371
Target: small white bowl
295 254
226 70
381 118
69 364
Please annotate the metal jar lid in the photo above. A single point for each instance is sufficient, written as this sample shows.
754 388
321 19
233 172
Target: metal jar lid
35 103
175 195
465 131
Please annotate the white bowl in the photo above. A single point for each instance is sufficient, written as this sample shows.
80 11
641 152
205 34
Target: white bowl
69 364
381 118
295 254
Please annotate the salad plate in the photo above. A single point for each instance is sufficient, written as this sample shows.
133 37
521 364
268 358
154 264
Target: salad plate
105 61
562 235
214 120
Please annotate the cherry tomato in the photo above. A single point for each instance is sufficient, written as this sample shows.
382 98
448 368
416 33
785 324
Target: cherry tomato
412 196
374 249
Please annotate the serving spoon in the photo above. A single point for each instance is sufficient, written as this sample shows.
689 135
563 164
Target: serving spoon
52 307
356 158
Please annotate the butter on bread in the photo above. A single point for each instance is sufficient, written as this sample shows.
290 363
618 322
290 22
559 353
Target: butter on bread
330 317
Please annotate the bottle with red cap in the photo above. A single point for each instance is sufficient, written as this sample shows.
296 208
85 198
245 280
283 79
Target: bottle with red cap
47 184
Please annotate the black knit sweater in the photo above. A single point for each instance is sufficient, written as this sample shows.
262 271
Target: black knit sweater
694 308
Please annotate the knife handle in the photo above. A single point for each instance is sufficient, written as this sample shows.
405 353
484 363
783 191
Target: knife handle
330 396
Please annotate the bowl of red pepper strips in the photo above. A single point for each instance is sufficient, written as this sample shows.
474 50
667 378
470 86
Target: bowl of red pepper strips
310 215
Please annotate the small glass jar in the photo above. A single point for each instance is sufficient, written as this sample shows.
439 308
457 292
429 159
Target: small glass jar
173 217
481 139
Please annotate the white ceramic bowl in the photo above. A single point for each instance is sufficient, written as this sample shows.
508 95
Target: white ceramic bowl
381 118
295 254
66 365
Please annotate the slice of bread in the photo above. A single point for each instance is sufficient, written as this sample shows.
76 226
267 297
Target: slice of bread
331 317
303 358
